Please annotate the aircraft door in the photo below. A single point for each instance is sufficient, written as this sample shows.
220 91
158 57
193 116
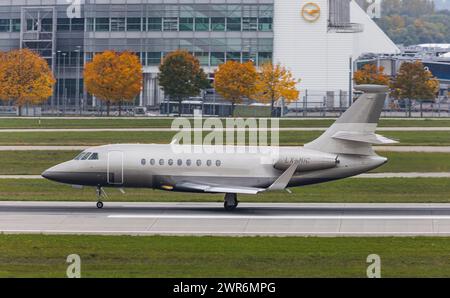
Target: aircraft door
115 168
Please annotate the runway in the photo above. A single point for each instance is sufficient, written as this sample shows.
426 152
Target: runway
250 219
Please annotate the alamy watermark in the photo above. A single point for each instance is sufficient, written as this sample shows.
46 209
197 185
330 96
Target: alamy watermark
374 269
374 8
228 136
74 268
74 9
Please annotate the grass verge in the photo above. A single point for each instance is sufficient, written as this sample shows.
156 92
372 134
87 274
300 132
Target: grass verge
123 256
287 138
160 123
357 190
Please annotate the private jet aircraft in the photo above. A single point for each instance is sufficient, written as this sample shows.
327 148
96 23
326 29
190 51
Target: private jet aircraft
343 150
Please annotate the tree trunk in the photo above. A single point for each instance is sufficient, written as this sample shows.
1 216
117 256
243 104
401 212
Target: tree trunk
409 108
19 110
179 106
108 106
232 109
120 108
421 110
272 105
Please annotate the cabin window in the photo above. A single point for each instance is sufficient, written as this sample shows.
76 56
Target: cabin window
218 163
170 162
152 162
179 162
94 156
161 162
199 162
208 163
143 161
188 162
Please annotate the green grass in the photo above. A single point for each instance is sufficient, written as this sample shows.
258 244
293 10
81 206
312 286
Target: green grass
158 123
289 138
357 190
35 162
126 256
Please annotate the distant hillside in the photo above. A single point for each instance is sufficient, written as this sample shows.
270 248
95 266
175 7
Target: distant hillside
412 22
442 4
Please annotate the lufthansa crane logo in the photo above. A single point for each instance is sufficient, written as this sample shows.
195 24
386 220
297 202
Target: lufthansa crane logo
311 12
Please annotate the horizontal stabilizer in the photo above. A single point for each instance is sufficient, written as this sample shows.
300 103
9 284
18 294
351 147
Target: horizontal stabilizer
370 138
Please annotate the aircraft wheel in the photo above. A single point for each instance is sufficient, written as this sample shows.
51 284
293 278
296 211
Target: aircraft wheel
231 202
99 205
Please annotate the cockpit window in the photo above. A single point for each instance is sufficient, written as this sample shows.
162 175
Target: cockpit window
86 156
79 156
94 156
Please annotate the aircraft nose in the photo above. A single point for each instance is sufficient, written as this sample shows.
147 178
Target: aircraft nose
55 173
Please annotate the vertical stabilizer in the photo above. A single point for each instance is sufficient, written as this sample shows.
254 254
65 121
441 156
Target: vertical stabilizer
354 131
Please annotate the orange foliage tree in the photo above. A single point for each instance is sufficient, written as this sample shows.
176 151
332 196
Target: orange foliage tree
235 81
371 74
114 77
273 83
25 78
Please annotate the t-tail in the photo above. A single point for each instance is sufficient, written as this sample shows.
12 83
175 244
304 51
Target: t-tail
354 131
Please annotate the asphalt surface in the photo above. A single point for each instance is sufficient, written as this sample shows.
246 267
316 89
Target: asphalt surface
250 219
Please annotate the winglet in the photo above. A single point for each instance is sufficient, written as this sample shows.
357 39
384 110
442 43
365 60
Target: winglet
283 181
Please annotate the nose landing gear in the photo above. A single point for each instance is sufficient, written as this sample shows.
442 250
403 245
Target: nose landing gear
230 201
100 194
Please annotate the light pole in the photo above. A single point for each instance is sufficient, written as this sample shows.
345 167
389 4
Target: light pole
77 85
58 59
64 82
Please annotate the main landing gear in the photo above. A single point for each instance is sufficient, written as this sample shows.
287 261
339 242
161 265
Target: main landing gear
100 194
230 201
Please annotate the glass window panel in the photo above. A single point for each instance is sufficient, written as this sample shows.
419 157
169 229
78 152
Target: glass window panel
134 24
102 24
77 24
247 56
153 58
217 24
250 24
234 56
233 24
154 24
201 24
265 24
186 24
170 24
94 156
47 25
15 25
203 57
90 24
4 25
217 58
63 24
117 24
264 57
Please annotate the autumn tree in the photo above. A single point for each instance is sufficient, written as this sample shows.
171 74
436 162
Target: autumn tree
371 74
235 81
414 82
181 76
25 78
275 82
114 77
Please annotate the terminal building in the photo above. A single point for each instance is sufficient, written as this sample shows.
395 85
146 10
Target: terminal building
318 41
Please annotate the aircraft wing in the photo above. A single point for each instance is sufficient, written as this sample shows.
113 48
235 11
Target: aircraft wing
219 188
280 184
